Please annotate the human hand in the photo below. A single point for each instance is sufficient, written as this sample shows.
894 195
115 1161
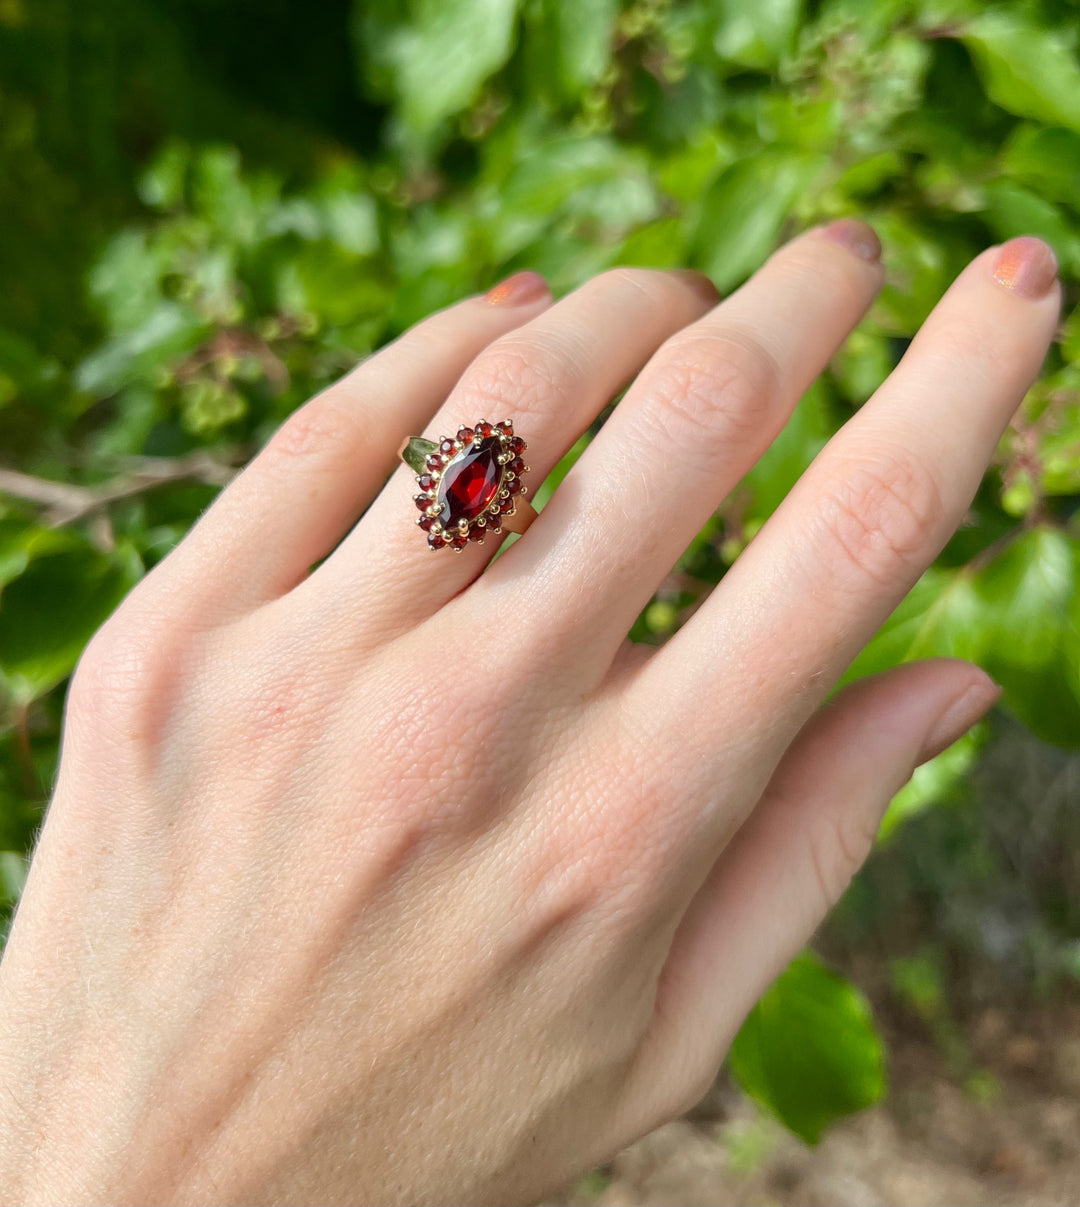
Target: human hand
399 882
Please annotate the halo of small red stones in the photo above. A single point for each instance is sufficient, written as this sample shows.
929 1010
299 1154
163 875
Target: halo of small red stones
505 501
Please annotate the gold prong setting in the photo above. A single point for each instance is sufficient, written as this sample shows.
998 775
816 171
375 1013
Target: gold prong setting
471 482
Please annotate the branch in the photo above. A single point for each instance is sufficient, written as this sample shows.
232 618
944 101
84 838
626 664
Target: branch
64 503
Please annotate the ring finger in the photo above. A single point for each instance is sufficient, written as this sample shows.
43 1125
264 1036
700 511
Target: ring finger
552 376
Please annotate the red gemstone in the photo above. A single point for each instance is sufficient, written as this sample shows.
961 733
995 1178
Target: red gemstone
477 534
465 435
426 522
426 481
515 486
484 428
517 445
434 461
446 447
516 466
435 542
504 425
460 541
507 505
422 502
494 524
470 483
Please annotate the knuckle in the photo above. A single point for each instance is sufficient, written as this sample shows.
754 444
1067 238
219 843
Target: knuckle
121 676
878 515
720 386
322 427
837 850
527 376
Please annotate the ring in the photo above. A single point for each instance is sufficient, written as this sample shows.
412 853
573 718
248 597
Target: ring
470 484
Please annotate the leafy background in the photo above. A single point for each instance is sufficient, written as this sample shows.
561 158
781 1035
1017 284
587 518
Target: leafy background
214 207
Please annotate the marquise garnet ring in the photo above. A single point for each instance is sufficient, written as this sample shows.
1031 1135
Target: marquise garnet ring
469 484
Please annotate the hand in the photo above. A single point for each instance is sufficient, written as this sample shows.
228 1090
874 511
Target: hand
395 882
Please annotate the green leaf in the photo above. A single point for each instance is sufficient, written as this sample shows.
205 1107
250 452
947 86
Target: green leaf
942 616
162 184
1013 210
167 333
443 56
1027 70
584 36
756 33
1029 629
744 210
12 875
52 609
1046 161
808 1051
1013 615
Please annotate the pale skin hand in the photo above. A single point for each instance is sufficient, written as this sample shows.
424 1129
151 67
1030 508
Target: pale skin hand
399 883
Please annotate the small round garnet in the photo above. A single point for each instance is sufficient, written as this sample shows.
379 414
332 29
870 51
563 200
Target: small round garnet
470 482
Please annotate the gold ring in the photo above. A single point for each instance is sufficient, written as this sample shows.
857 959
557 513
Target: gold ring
470 484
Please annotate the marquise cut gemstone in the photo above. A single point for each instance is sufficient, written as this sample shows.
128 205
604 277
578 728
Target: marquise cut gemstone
470 482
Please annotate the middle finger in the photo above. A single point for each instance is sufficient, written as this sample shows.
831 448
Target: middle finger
695 421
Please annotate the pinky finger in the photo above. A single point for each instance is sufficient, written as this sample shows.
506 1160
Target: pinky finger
794 857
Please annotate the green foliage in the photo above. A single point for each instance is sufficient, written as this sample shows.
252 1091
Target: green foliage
230 259
808 1050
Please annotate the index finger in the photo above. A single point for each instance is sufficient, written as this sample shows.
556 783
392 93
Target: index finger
870 514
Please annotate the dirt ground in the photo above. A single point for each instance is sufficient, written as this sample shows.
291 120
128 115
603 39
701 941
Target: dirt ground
1005 1135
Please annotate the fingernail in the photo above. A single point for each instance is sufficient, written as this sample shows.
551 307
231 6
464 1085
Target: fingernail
1027 266
958 718
699 283
856 236
522 287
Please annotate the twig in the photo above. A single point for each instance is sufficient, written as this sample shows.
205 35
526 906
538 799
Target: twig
64 503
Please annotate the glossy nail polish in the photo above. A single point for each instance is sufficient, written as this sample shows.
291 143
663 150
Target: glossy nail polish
858 237
522 287
1026 266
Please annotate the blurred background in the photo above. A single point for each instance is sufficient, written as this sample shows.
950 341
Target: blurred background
211 208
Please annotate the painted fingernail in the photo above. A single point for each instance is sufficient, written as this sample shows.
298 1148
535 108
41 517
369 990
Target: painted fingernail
1027 266
699 283
959 716
856 236
522 287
